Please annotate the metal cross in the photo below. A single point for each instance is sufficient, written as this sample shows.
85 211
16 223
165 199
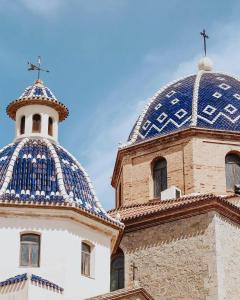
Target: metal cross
134 268
37 67
205 36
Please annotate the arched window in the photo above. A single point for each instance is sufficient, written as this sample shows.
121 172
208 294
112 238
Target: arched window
29 250
36 125
22 125
120 194
86 259
232 168
117 271
159 176
50 126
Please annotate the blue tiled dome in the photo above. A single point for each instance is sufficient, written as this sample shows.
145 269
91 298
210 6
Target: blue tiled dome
206 100
37 93
39 170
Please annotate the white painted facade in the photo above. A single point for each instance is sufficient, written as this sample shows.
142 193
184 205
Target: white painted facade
45 112
60 254
62 227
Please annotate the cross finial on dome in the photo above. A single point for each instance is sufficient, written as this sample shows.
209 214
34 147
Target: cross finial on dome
205 36
37 67
205 64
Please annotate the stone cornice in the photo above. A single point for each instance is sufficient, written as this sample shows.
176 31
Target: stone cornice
63 210
55 104
124 294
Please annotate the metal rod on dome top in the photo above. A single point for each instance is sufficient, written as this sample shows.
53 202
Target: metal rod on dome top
205 36
37 67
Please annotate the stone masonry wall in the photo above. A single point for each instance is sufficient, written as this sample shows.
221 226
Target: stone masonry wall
228 258
175 260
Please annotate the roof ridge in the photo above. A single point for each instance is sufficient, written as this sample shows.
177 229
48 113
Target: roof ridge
11 164
195 98
153 203
58 169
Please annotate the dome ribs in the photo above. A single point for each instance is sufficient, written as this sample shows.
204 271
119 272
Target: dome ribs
170 109
208 100
38 171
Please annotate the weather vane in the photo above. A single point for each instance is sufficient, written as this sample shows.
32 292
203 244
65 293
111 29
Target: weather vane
205 36
37 67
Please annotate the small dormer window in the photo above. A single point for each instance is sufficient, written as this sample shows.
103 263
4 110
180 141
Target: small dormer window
50 126
36 125
22 125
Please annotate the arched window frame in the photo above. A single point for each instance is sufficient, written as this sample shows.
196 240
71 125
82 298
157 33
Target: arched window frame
232 171
87 259
156 172
50 126
36 123
119 192
30 244
22 124
117 282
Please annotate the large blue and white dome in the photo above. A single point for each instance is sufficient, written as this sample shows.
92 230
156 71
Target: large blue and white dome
209 100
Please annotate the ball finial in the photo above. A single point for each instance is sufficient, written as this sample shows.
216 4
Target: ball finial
205 64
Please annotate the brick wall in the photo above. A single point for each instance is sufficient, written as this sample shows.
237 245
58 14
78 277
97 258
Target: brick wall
228 258
195 164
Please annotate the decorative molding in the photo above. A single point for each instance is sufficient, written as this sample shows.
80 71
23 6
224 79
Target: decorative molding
42 204
149 102
58 106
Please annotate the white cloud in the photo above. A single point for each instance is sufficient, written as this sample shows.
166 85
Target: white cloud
42 7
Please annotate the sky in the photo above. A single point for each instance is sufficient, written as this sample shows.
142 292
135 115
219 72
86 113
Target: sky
106 58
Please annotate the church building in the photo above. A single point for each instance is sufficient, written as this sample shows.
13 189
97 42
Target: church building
174 232
56 237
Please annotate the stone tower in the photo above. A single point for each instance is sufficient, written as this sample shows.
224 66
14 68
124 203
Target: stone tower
177 183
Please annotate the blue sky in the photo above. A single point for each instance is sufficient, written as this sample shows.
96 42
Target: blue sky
106 58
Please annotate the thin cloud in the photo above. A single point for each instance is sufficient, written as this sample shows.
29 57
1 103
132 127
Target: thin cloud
43 7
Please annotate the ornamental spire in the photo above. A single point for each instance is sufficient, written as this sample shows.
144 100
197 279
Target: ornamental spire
37 67
205 64
205 36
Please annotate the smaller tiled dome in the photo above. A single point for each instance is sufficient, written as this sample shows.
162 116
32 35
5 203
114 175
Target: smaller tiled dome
39 170
37 94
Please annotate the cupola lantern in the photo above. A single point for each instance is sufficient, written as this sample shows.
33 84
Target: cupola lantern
37 112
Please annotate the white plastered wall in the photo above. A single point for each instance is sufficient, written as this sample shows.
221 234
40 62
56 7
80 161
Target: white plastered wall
45 112
60 257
